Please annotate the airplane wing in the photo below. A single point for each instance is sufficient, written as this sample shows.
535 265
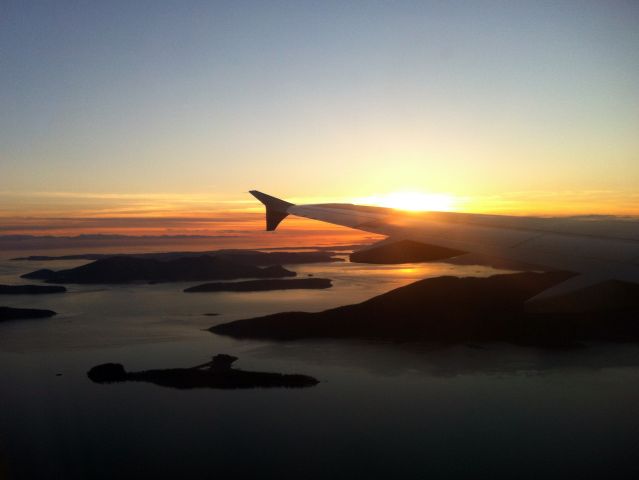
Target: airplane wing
595 248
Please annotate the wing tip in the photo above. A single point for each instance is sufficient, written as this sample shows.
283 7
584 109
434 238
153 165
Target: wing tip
276 209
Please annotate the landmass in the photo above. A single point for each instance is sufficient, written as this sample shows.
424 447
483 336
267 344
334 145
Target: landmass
247 257
262 285
9 313
215 374
30 289
41 274
464 310
403 251
408 251
126 269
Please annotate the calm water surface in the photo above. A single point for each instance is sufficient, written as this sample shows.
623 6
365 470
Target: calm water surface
380 411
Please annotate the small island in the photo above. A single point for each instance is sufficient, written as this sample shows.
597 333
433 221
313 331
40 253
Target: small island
402 251
30 289
218 373
9 313
262 285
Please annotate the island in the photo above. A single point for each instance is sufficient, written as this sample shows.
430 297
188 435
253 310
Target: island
218 373
9 313
465 310
262 285
247 257
128 269
402 251
30 289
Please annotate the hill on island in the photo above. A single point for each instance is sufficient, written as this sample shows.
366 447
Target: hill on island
457 310
126 269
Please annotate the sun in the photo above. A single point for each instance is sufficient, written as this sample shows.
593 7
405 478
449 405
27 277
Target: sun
412 201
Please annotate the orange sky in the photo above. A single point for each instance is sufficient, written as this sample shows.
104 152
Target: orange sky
239 221
157 121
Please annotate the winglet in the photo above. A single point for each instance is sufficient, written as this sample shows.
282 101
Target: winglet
276 209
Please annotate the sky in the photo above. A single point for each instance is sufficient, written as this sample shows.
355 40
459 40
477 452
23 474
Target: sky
118 115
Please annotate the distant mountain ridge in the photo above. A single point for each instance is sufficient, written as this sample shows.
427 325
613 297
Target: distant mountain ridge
119 242
251 257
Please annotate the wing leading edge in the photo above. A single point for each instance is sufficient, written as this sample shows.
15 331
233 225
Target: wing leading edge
595 250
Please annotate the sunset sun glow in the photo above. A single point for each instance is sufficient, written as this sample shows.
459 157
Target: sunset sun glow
412 201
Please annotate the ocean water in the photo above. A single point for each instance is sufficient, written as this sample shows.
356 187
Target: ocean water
381 410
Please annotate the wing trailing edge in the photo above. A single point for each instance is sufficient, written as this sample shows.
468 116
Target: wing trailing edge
573 284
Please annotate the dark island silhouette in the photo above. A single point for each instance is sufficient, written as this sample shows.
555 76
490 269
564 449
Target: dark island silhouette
403 251
217 373
30 289
247 257
127 269
262 285
461 310
9 313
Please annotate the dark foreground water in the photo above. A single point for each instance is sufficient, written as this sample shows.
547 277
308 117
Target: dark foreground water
380 411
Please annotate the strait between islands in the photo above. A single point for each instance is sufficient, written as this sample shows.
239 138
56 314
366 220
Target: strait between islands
443 309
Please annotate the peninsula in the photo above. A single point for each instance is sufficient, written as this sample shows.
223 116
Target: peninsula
9 313
30 289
